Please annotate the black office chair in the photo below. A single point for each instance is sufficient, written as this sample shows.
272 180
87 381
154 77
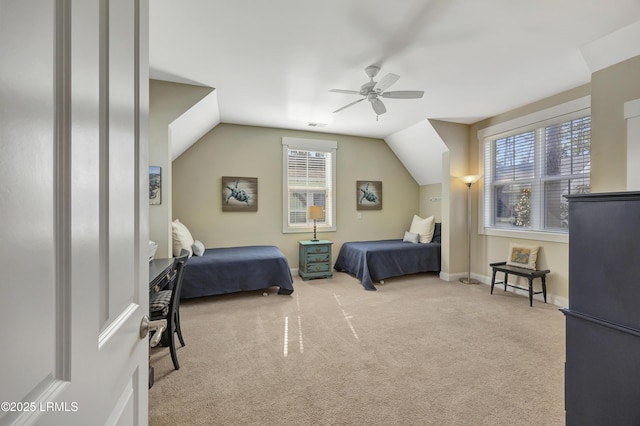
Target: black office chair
166 305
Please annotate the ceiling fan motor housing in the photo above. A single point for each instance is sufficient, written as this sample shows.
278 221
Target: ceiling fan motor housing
367 88
372 71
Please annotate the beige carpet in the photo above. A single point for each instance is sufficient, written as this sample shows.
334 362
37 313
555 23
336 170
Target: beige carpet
419 351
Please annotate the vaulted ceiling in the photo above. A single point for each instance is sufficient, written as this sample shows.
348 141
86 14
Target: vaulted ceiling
272 63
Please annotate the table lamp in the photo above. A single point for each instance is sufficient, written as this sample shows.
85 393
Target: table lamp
315 213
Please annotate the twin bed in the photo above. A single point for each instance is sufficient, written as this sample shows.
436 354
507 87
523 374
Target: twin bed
373 261
235 269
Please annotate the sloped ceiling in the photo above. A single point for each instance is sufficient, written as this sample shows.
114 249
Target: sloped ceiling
194 123
272 63
419 148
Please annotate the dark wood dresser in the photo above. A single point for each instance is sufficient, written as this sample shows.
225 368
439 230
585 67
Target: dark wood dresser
602 370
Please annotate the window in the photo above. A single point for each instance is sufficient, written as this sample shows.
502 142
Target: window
308 179
527 173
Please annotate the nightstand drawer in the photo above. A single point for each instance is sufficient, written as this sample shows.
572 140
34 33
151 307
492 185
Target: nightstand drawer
318 267
315 258
323 249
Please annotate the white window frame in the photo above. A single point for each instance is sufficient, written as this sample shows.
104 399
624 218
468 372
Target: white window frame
308 145
566 111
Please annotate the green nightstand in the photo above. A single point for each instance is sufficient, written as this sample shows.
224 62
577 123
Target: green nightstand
315 259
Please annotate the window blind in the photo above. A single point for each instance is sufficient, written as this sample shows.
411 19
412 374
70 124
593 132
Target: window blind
308 180
529 172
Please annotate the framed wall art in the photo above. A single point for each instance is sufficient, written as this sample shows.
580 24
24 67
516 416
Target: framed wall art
155 185
368 195
239 194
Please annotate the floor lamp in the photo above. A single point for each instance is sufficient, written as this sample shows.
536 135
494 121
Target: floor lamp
469 181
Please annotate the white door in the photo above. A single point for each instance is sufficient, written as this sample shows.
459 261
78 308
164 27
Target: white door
73 208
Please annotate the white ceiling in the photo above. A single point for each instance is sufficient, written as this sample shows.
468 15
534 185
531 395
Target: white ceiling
273 62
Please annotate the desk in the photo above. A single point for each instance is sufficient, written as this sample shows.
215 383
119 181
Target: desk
159 274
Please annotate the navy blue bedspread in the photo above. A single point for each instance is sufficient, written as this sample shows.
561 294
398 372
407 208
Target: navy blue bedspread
234 269
373 261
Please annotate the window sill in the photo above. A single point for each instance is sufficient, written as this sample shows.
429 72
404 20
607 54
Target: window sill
526 235
307 230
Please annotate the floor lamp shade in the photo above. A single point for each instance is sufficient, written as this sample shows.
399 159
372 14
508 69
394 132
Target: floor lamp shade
469 180
315 213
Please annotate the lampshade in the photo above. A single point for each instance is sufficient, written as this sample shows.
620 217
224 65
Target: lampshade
470 179
315 212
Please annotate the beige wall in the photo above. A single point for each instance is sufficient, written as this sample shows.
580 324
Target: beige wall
455 163
235 150
431 201
167 101
609 89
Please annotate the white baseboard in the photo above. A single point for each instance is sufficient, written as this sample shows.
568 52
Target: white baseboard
551 298
457 276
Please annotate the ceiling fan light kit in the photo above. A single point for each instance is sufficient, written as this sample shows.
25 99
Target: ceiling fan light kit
373 91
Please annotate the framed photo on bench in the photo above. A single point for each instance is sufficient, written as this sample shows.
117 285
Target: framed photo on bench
523 256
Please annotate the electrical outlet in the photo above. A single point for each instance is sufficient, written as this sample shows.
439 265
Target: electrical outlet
359 216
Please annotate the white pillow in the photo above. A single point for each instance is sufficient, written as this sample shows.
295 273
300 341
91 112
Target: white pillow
423 227
198 248
182 238
410 237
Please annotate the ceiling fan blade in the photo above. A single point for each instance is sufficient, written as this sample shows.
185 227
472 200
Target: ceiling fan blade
348 105
378 106
385 82
403 94
349 92
403 36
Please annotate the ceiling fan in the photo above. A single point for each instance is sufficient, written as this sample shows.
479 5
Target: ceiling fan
372 91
